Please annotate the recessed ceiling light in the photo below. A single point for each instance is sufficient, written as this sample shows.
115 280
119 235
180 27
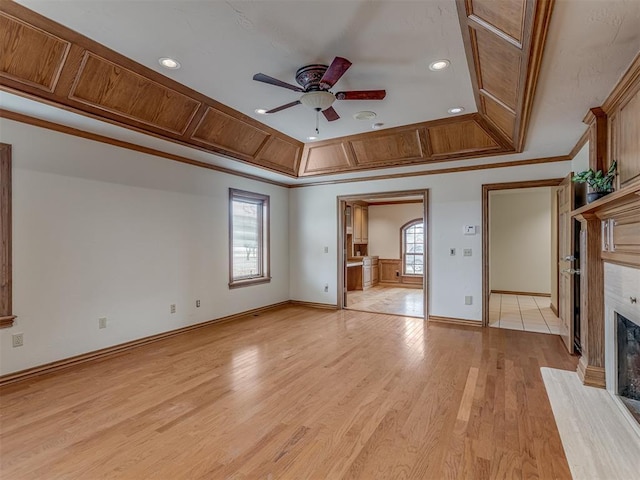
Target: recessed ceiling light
365 115
455 110
260 111
169 63
377 126
439 65
311 137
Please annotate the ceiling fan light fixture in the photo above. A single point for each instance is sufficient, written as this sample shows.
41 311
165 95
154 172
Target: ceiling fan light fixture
317 100
169 63
439 65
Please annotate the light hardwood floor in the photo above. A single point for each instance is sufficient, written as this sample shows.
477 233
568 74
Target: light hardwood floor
383 299
296 393
523 312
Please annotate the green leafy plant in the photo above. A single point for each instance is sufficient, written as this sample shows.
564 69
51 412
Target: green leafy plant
598 181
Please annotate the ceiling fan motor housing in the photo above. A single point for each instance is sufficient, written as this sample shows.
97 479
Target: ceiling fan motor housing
309 76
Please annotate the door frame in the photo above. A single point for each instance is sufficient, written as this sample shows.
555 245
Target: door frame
486 189
342 200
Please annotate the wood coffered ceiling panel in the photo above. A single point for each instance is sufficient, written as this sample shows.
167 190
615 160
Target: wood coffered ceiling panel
460 138
388 149
498 66
502 117
42 59
505 15
36 59
504 42
106 85
226 132
440 140
278 154
332 157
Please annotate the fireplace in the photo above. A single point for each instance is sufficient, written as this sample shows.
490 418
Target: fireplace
628 355
622 338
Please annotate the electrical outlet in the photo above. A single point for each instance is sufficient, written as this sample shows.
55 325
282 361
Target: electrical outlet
172 308
102 322
466 252
452 252
17 340
468 300
197 303
326 288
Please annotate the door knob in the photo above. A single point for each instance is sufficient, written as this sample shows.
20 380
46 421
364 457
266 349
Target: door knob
572 271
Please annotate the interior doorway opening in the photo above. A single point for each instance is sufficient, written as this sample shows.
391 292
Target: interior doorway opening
520 256
384 254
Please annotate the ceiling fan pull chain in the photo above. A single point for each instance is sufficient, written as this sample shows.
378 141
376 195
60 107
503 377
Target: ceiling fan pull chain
317 121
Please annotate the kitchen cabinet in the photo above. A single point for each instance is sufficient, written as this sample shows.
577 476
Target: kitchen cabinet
370 272
362 273
360 224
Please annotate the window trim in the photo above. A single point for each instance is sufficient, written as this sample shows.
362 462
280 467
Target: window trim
403 228
6 316
263 200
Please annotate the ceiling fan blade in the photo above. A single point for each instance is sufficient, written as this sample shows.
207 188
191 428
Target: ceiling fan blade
334 72
282 107
330 114
261 77
361 95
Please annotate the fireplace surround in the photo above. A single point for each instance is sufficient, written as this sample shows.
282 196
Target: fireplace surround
622 338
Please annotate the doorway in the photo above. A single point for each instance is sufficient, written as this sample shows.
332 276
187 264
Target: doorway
519 253
384 246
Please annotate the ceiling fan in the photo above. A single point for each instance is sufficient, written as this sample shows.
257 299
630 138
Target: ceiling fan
315 80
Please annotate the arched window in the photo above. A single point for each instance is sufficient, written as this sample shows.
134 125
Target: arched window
412 234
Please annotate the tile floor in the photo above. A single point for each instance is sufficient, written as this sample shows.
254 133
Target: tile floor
523 312
394 300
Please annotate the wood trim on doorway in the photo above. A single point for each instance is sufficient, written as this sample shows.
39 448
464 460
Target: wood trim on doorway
341 249
552 182
6 315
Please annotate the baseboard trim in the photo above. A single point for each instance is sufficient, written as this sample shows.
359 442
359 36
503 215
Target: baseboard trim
531 294
554 309
326 306
123 347
455 321
590 375
400 285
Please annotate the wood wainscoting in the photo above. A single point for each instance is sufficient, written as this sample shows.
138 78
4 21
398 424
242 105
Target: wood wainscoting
391 274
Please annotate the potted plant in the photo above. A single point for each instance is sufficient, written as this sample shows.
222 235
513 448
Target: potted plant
600 183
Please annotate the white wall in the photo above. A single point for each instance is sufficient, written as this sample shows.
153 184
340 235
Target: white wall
102 231
520 240
580 162
455 200
385 222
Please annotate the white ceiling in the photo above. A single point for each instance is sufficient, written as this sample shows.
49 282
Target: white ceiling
391 43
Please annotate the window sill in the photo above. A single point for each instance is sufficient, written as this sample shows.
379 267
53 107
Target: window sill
248 282
7 322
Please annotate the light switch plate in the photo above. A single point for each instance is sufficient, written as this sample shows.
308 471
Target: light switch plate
452 252
469 229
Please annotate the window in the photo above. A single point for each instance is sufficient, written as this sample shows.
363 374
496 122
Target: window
413 247
248 238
